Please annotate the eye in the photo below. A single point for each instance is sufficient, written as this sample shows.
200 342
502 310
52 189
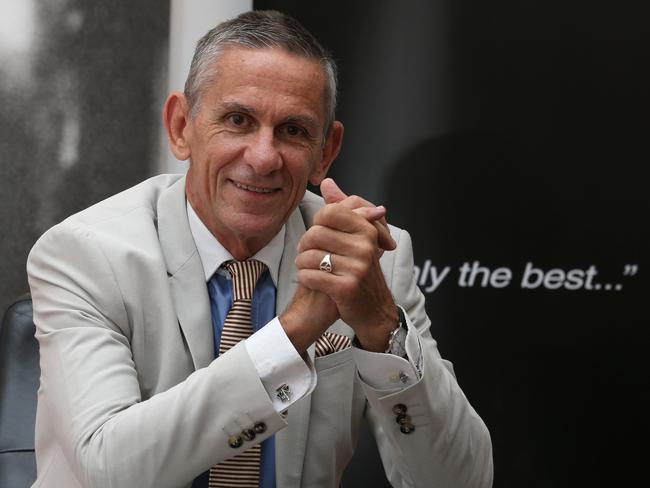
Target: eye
293 130
238 120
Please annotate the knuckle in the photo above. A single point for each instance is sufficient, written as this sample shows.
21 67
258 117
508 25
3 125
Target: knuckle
327 214
314 229
312 236
302 276
367 249
305 259
305 241
356 201
363 268
355 273
359 271
322 215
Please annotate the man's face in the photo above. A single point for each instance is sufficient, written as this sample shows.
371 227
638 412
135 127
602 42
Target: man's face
255 142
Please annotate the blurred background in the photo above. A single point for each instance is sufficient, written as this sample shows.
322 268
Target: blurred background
81 88
511 138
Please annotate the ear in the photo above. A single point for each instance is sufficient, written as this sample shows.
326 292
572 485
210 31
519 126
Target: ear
330 151
177 118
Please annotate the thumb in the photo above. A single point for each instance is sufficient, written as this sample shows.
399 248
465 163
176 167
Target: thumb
331 192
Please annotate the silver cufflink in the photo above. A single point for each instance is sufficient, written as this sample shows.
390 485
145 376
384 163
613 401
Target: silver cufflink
283 392
400 376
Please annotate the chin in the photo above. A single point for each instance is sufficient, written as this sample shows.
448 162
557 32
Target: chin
249 226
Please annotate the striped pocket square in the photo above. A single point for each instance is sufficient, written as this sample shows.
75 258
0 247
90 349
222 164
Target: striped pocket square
330 343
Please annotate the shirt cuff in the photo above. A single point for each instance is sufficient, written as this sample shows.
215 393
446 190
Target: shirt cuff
285 375
390 373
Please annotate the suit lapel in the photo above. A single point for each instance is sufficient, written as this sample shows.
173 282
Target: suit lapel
287 279
186 276
291 441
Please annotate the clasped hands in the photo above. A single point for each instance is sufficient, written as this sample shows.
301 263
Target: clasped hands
354 232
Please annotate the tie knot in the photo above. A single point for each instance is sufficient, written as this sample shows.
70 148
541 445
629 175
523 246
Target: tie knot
244 277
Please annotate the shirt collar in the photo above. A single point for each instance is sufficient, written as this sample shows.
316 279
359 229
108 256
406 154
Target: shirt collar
213 254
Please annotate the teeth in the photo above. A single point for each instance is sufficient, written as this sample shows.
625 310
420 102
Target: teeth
253 188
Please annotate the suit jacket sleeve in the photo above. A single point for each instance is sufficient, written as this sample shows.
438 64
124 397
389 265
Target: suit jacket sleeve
450 446
100 425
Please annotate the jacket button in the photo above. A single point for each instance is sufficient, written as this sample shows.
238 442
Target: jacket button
235 441
248 434
403 419
406 428
399 409
259 427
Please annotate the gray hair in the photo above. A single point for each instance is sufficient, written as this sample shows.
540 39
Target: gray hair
258 29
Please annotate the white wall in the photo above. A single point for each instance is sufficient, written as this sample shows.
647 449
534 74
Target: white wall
190 19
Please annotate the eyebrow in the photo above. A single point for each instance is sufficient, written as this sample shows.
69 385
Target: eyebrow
237 107
301 120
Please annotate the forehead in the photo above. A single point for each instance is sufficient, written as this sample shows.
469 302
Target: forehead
268 77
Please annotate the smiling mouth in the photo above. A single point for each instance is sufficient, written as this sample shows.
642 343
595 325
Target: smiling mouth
254 189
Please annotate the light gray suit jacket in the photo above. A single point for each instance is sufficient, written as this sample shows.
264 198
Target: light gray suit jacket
130 394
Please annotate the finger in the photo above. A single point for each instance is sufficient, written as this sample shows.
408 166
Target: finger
348 223
312 259
372 213
317 280
333 194
338 217
384 239
355 202
355 241
338 242
331 191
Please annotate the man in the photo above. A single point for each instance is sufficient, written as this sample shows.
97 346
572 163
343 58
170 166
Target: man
133 300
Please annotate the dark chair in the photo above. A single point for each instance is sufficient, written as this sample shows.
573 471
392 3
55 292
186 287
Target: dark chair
19 377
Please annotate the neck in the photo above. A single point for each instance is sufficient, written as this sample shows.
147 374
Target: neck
241 247
241 251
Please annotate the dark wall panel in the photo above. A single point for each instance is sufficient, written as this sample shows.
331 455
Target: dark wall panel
511 139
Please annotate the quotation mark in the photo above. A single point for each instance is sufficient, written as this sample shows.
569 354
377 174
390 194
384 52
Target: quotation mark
630 269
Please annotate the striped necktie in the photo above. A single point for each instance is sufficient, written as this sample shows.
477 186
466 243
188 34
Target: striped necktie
243 470
330 343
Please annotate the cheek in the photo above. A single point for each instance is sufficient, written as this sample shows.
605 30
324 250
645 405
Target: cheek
304 166
220 158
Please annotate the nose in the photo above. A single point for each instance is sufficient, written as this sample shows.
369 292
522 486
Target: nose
262 154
